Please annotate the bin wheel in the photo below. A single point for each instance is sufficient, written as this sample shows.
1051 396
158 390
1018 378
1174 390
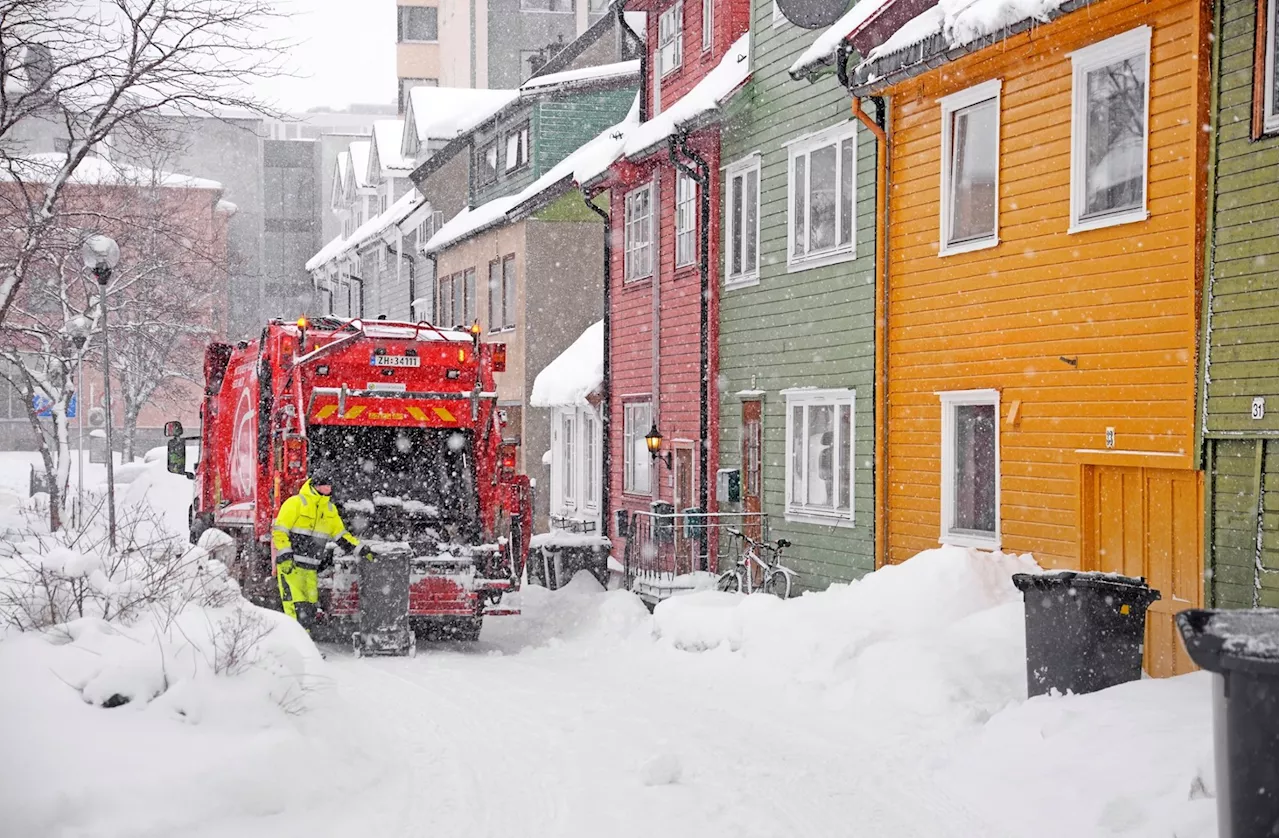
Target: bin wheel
778 584
731 582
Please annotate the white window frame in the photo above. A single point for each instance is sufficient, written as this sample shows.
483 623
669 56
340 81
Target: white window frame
967 98
708 23
1270 118
949 535
588 423
1135 42
796 510
634 429
686 194
671 38
778 17
805 146
569 464
631 228
749 275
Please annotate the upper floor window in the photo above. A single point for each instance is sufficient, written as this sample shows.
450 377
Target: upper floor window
502 294
546 5
708 23
487 163
686 193
518 147
638 233
671 38
1266 72
1109 116
821 196
820 454
637 419
742 210
416 23
970 168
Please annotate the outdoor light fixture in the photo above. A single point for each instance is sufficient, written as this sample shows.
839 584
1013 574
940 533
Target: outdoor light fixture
653 441
101 254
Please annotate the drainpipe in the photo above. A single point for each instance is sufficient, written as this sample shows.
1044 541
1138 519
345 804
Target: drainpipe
701 174
881 409
606 382
644 59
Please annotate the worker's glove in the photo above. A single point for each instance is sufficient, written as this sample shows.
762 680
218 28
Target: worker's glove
367 554
326 561
285 566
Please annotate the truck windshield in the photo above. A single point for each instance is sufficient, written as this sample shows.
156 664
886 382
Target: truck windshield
401 484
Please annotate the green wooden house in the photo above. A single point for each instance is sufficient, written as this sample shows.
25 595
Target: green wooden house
1239 406
796 341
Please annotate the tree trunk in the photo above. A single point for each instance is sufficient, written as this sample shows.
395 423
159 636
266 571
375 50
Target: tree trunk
46 455
131 410
58 486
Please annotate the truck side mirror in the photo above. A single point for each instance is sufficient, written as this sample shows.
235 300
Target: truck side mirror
177 459
173 429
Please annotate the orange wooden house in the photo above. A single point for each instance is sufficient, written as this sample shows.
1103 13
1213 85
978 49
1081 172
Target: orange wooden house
1044 255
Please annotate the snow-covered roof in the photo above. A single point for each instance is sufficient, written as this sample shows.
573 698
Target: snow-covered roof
387 134
326 253
574 374
823 49
706 96
344 161
442 113
95 171
471 221
359 151
226 206
604 72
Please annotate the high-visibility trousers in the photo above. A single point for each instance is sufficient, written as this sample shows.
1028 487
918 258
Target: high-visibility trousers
299 593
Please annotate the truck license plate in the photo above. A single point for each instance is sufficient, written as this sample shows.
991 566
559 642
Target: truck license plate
395 360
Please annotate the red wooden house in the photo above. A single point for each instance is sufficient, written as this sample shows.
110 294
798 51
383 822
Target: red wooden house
664 196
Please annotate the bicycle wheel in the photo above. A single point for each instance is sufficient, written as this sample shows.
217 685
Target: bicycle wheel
731 582
778 583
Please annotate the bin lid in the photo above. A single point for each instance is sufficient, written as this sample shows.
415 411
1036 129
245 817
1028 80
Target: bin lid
1056 580
1219 639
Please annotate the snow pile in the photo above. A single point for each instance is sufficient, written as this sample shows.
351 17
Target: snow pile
581 612
1138 759
937 639
442 113
574 374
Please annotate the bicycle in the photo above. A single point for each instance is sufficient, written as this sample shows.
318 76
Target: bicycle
777 578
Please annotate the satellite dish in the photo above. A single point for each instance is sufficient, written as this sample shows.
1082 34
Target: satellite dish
813 14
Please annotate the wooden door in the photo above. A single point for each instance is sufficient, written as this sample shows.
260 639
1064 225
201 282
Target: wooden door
752 467
682 499
1149 522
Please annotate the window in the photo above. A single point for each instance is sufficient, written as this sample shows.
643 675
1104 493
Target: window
742 208
416 23
971 468
970 169
487 163
1266 71
568 468
495 295
518 147
469 298
820 455
1109 131
821 196
509 292
546 5
457 298
686 192
590 461
382 203
637 419
671 39
409 84
638 220
444 305
708 20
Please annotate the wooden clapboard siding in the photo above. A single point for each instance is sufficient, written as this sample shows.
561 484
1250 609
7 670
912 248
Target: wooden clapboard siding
812 328
1242 513
1121 300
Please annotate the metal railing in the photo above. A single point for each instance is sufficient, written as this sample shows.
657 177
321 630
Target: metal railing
669 552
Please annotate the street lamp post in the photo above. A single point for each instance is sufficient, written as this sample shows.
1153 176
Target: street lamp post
101 254
78 330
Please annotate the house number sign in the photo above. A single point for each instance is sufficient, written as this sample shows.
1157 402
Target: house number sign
1259 408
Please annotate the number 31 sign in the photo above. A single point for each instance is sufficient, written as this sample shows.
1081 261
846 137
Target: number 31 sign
1259 408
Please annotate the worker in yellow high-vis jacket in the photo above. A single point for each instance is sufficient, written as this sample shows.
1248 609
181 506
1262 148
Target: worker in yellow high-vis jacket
306 524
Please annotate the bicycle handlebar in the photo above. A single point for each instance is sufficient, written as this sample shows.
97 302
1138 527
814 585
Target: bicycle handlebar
776 546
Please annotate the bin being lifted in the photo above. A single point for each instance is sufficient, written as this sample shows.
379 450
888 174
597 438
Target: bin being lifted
405 417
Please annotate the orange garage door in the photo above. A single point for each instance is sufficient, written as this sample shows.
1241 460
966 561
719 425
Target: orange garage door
1149 522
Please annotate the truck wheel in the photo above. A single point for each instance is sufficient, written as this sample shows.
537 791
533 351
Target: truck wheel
468 631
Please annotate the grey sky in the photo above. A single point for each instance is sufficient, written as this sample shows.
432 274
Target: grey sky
345 53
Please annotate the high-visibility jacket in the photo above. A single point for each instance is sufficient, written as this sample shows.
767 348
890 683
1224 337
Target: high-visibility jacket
305 524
